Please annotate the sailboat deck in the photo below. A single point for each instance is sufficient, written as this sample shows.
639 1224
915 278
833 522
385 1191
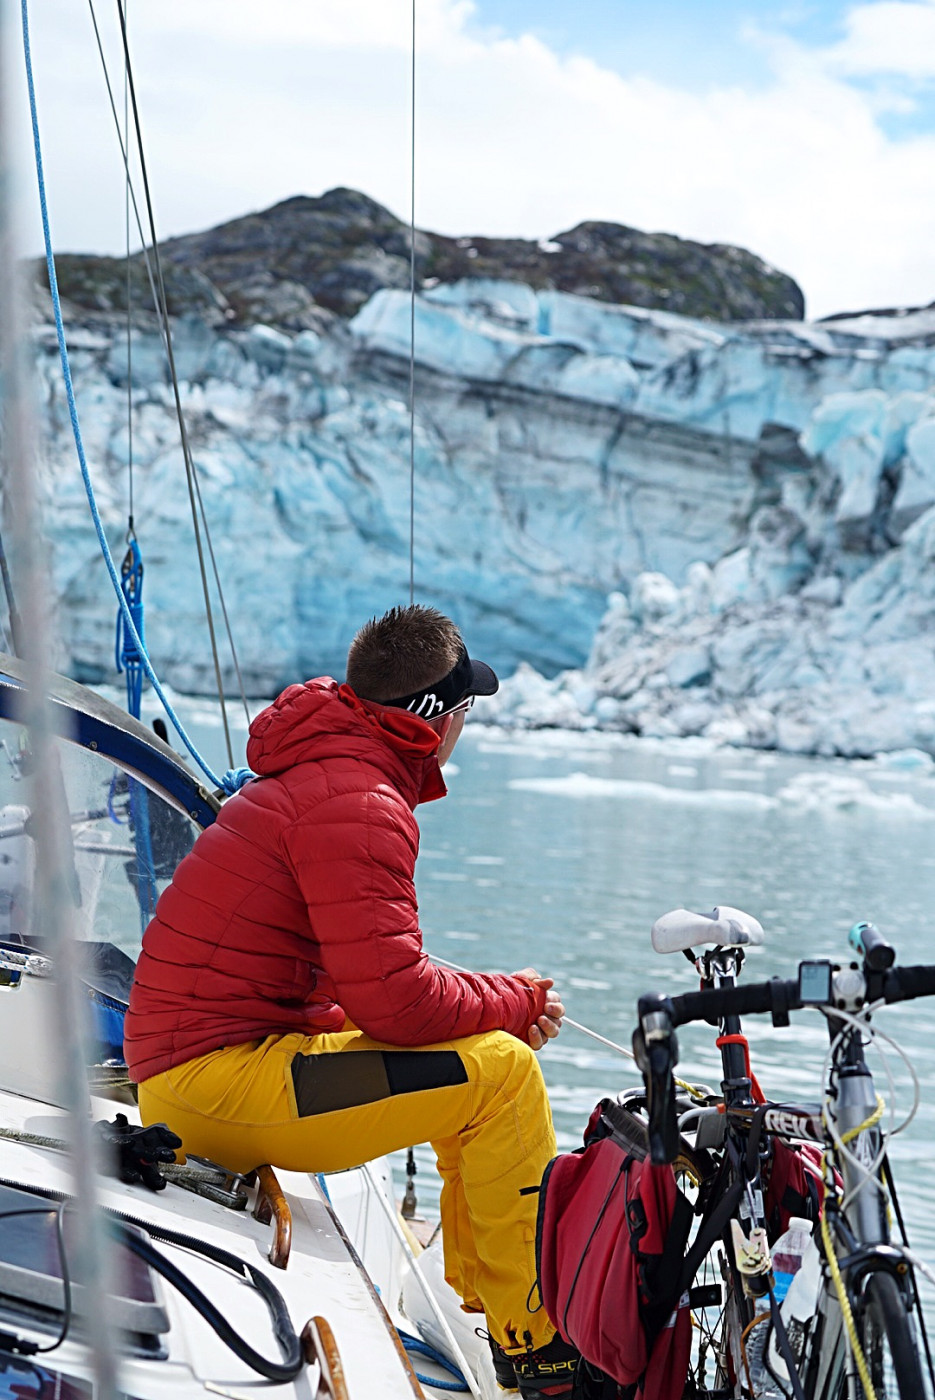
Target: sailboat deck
323 1278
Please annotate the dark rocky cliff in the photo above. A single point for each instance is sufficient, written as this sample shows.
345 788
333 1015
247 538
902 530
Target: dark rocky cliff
307 259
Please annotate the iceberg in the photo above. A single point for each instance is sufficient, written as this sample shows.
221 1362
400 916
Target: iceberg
661 525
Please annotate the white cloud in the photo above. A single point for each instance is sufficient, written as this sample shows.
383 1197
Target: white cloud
245 105
895 36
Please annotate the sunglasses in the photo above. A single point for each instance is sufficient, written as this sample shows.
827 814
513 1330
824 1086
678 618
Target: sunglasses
461 707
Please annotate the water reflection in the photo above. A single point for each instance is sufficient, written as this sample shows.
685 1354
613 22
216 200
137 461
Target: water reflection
559 851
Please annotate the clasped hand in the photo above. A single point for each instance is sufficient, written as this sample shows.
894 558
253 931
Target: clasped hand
549 1023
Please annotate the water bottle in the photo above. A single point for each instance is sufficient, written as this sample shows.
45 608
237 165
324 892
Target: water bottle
787 1255
800 1303
788 1252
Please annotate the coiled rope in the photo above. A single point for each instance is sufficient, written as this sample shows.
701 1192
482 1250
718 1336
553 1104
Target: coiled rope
416 1346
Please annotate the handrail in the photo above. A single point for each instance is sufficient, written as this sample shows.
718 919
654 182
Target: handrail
319 1345
271 1204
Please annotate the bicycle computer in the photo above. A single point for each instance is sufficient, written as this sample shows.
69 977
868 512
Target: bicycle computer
814 983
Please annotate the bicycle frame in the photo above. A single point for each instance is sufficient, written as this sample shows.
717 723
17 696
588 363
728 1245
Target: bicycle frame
855 1239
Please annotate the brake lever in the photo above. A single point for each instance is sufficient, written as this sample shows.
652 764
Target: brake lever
655 1047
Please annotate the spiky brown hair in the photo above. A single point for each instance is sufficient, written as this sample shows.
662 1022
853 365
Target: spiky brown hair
403 651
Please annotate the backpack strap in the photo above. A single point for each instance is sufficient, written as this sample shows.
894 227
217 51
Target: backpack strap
785 1348
713 1224
662 1300
722 1206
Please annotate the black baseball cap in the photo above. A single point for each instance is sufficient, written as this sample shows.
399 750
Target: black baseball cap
465 679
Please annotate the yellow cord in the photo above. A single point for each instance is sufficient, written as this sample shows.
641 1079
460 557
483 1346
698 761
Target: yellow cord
692 1090
870 1122
843 1301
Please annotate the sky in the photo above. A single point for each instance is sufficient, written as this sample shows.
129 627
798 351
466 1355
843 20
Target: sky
804 130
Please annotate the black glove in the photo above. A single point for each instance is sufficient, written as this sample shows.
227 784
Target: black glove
133 1152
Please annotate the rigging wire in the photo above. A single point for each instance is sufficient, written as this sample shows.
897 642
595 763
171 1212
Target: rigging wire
73 408
162 314
131 533
186 448
412 317
131 577
126 165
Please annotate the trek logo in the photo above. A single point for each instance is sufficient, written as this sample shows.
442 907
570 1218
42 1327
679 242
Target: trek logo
427 707
792 1125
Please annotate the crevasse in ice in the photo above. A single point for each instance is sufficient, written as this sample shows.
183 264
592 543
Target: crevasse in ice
668 526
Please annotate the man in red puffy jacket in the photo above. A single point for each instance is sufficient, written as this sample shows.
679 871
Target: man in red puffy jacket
284 1009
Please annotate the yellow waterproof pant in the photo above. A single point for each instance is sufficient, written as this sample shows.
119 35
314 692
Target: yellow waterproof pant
323 1103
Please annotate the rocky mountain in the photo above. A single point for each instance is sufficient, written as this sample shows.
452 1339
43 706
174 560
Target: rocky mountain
294 264
664 524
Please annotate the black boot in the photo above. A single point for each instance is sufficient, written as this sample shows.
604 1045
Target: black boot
546 1374
502 1364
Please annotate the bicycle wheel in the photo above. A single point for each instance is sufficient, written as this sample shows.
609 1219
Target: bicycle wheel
888 1338
717 1323
718 1310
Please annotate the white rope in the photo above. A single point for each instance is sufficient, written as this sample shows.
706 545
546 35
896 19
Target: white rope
390 1213
566 1020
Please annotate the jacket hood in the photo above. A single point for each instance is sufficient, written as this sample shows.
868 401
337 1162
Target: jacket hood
322 719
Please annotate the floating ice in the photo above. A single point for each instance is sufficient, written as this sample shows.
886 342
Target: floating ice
586 785
823 792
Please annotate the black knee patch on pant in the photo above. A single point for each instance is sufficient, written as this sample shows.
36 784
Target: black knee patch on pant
331 1081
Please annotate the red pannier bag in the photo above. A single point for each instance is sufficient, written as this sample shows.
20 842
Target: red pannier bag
610 1243
794 1185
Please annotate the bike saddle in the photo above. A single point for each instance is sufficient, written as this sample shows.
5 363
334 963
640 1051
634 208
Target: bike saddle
680 930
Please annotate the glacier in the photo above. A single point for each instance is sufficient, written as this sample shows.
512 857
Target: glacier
660 525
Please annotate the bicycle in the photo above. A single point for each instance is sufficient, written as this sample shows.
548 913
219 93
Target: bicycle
863 1337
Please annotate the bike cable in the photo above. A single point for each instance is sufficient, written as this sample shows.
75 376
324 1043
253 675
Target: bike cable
868 1172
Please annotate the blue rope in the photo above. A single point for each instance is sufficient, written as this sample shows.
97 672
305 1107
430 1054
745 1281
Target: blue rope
235 778
73 414
128 659
127 655
417 1347
147 890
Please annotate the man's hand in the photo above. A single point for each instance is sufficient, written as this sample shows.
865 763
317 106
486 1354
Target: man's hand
550 1022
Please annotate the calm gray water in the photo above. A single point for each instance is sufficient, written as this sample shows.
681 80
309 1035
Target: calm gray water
559 850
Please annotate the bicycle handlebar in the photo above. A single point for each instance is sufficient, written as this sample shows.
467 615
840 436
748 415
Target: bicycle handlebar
656 1050
867 939
779 996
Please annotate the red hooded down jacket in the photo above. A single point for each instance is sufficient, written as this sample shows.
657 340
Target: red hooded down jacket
297 906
